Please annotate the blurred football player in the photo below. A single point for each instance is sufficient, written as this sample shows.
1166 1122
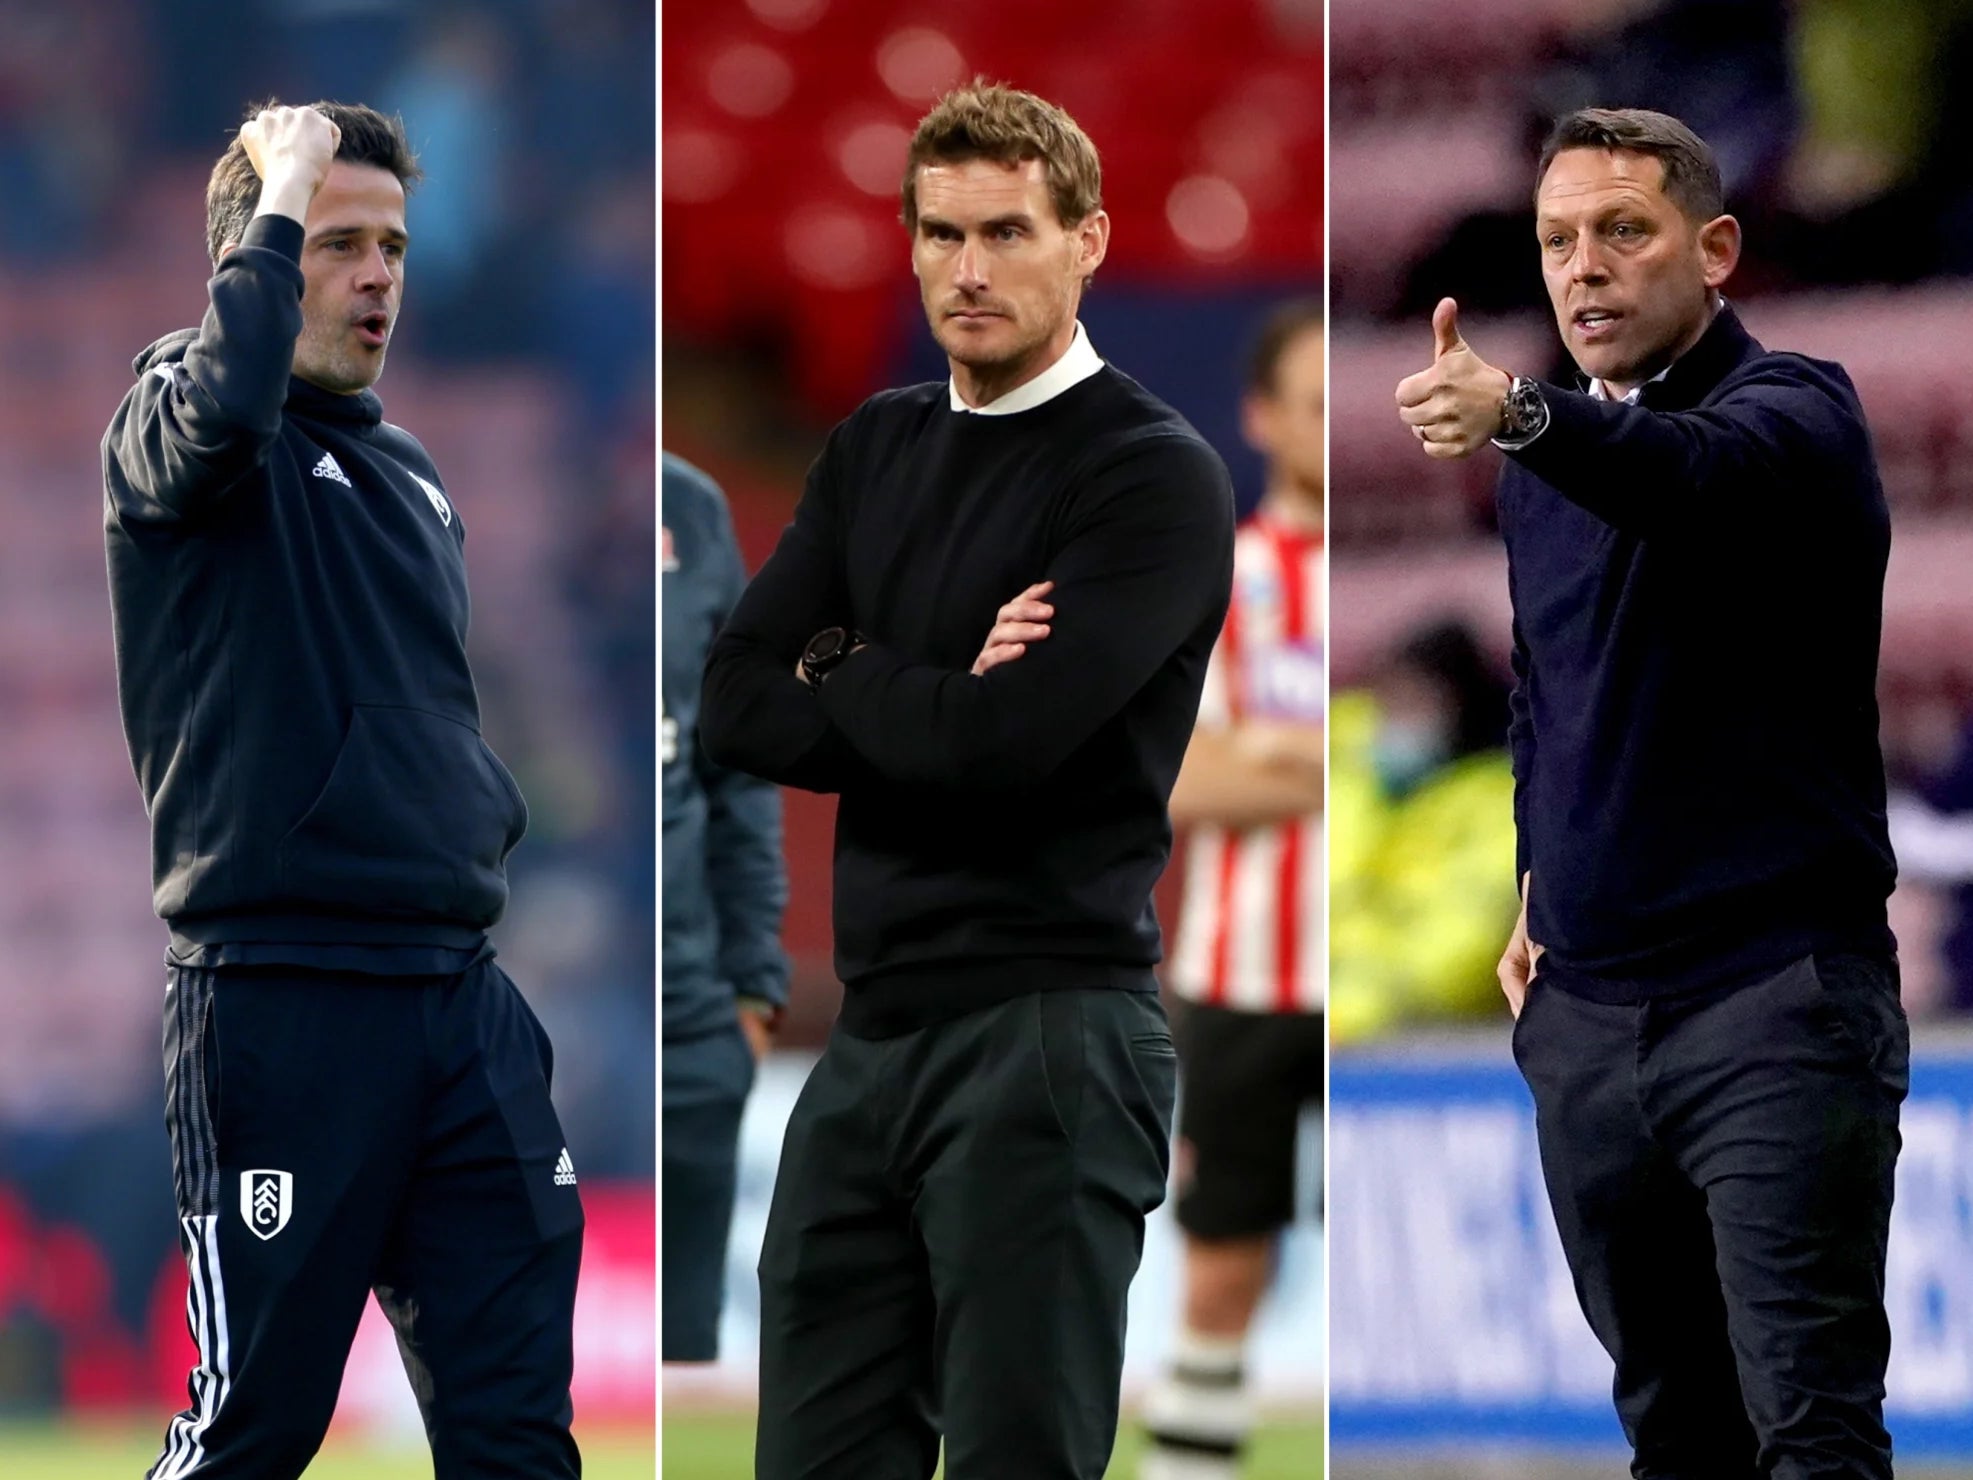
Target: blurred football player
725 977
1250 962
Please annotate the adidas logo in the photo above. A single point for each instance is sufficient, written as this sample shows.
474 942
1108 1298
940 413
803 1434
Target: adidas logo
564 1170
330 468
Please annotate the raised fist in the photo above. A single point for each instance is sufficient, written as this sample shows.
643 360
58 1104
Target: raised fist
290 147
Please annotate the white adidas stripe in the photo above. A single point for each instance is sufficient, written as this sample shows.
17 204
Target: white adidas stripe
177 1449
212 1379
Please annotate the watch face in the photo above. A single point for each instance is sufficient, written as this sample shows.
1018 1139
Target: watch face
825 645
1524 407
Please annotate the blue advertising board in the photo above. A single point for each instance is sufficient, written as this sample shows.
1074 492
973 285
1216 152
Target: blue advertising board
1452 1315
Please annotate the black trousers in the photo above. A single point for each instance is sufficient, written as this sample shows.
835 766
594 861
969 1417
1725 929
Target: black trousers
334 1134
706 1080
1721 1174
956 1221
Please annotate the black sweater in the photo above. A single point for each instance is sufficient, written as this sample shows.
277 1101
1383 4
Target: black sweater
999 834
1698 588
288 584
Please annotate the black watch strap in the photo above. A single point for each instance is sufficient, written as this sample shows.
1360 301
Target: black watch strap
826 650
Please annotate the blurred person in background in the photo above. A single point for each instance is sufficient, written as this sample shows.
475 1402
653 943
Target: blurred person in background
357 1095
1880 186
1931 821
1704 981
1248 967
724 974
457 81
987 627
1421 852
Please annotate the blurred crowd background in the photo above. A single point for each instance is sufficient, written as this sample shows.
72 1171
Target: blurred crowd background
1841 137
524 363
787 298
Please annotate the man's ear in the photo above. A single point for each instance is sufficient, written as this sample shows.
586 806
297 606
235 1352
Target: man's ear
1719 246
1092 242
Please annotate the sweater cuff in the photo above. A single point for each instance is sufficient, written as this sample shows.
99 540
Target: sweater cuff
769 988
1577 438
275 233
837 693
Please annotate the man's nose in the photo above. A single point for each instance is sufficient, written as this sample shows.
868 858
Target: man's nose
1588 264
970 269
376 270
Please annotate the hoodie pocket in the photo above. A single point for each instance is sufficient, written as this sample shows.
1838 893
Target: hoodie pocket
415 821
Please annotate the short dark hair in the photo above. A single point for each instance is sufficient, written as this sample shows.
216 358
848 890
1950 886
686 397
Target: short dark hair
368 137
1692 175
990 120
1281 328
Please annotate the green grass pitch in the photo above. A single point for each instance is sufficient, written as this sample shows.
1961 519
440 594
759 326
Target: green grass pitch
720 1446
697 1446
124 1450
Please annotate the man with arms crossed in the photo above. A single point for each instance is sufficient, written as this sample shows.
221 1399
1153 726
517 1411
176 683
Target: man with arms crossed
357 1096
1705 988
987 628
1251 956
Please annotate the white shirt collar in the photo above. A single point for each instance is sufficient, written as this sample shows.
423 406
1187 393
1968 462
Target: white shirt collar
1079 361
1602 392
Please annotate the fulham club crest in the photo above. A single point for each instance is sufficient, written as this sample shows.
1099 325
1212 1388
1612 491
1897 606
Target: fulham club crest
266 1200
439 506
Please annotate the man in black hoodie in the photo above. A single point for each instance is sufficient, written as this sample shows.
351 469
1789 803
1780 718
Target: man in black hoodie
1704 986
357 1096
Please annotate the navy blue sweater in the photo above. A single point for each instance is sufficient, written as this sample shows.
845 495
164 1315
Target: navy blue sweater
1698 588
288 585
724 886
997 834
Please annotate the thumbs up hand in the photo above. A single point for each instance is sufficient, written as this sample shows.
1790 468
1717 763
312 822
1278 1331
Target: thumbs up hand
1453 406
1445 329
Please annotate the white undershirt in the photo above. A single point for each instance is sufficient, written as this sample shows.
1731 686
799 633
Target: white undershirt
1601 392
1079 361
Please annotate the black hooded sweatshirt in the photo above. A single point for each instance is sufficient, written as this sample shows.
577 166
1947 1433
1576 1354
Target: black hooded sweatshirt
288 587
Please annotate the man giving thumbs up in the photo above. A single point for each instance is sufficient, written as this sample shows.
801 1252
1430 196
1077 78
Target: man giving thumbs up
1459 401
1705 985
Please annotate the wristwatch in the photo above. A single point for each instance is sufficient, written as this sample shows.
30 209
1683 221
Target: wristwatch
1523 415
827 649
